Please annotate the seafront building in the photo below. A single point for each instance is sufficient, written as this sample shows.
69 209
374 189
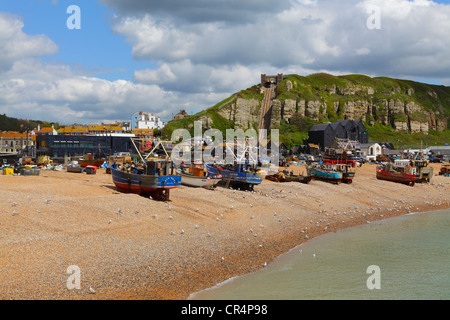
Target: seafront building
146 120
11 143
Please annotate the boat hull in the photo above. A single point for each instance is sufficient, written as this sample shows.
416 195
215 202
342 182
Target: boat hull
302 179
397 177
235 178
347 177
158 187
198 182
95 163
331 176
75 169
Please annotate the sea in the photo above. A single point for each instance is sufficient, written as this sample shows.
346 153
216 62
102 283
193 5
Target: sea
400 258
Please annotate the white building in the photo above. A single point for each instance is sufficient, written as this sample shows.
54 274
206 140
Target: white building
146 120
370 150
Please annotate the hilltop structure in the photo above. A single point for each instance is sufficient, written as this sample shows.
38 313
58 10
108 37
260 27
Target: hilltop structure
146 120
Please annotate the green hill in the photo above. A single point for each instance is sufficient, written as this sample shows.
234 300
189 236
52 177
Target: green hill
403 112
13 124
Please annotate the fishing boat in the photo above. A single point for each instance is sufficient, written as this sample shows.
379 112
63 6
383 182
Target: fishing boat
326 173
348 172
445 170
194 176
119 158
284 177
400 171
155 177
74 167
421 161
88 160
239 175
343 151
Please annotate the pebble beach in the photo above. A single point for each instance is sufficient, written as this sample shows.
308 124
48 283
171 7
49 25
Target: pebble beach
129 247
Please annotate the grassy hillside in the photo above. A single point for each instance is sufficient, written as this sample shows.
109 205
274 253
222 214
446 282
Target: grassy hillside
320 87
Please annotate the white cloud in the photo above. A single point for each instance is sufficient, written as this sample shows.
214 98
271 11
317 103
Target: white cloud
206 50
15 44
310 34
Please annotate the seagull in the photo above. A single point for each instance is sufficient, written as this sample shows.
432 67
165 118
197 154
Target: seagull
14 204
91 290
265 264
110 221
15 213
182 231
47 201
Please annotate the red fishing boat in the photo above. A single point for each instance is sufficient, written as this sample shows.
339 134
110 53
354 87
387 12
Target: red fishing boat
401 171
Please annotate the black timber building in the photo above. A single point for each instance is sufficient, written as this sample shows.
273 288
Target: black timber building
325 134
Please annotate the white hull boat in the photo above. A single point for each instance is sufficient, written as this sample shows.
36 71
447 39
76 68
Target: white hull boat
190 180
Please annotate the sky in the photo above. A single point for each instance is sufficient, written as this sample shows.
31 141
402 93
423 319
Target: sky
164 56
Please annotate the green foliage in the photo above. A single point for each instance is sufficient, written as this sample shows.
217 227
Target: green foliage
13 124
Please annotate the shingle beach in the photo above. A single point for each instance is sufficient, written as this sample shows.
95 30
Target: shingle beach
130 247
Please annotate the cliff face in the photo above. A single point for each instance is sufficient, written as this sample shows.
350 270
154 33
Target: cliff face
385 105
399 106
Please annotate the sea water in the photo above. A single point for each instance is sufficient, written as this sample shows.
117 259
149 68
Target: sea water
400 258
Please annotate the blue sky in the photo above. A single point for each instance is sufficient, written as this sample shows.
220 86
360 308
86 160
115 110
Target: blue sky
163 56
95 47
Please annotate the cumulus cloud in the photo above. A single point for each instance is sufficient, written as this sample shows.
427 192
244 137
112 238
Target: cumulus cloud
30 88
206 50
15 44
315 35
201 11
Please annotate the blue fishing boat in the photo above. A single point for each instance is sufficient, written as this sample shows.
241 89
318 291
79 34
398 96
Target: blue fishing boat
155 178
242 176
326 173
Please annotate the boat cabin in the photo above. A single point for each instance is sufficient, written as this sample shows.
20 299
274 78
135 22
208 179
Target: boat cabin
159 168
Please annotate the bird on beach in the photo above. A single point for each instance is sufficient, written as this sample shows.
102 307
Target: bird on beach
47 201
15 213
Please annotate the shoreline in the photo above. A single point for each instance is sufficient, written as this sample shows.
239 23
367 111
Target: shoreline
168 251
193 295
